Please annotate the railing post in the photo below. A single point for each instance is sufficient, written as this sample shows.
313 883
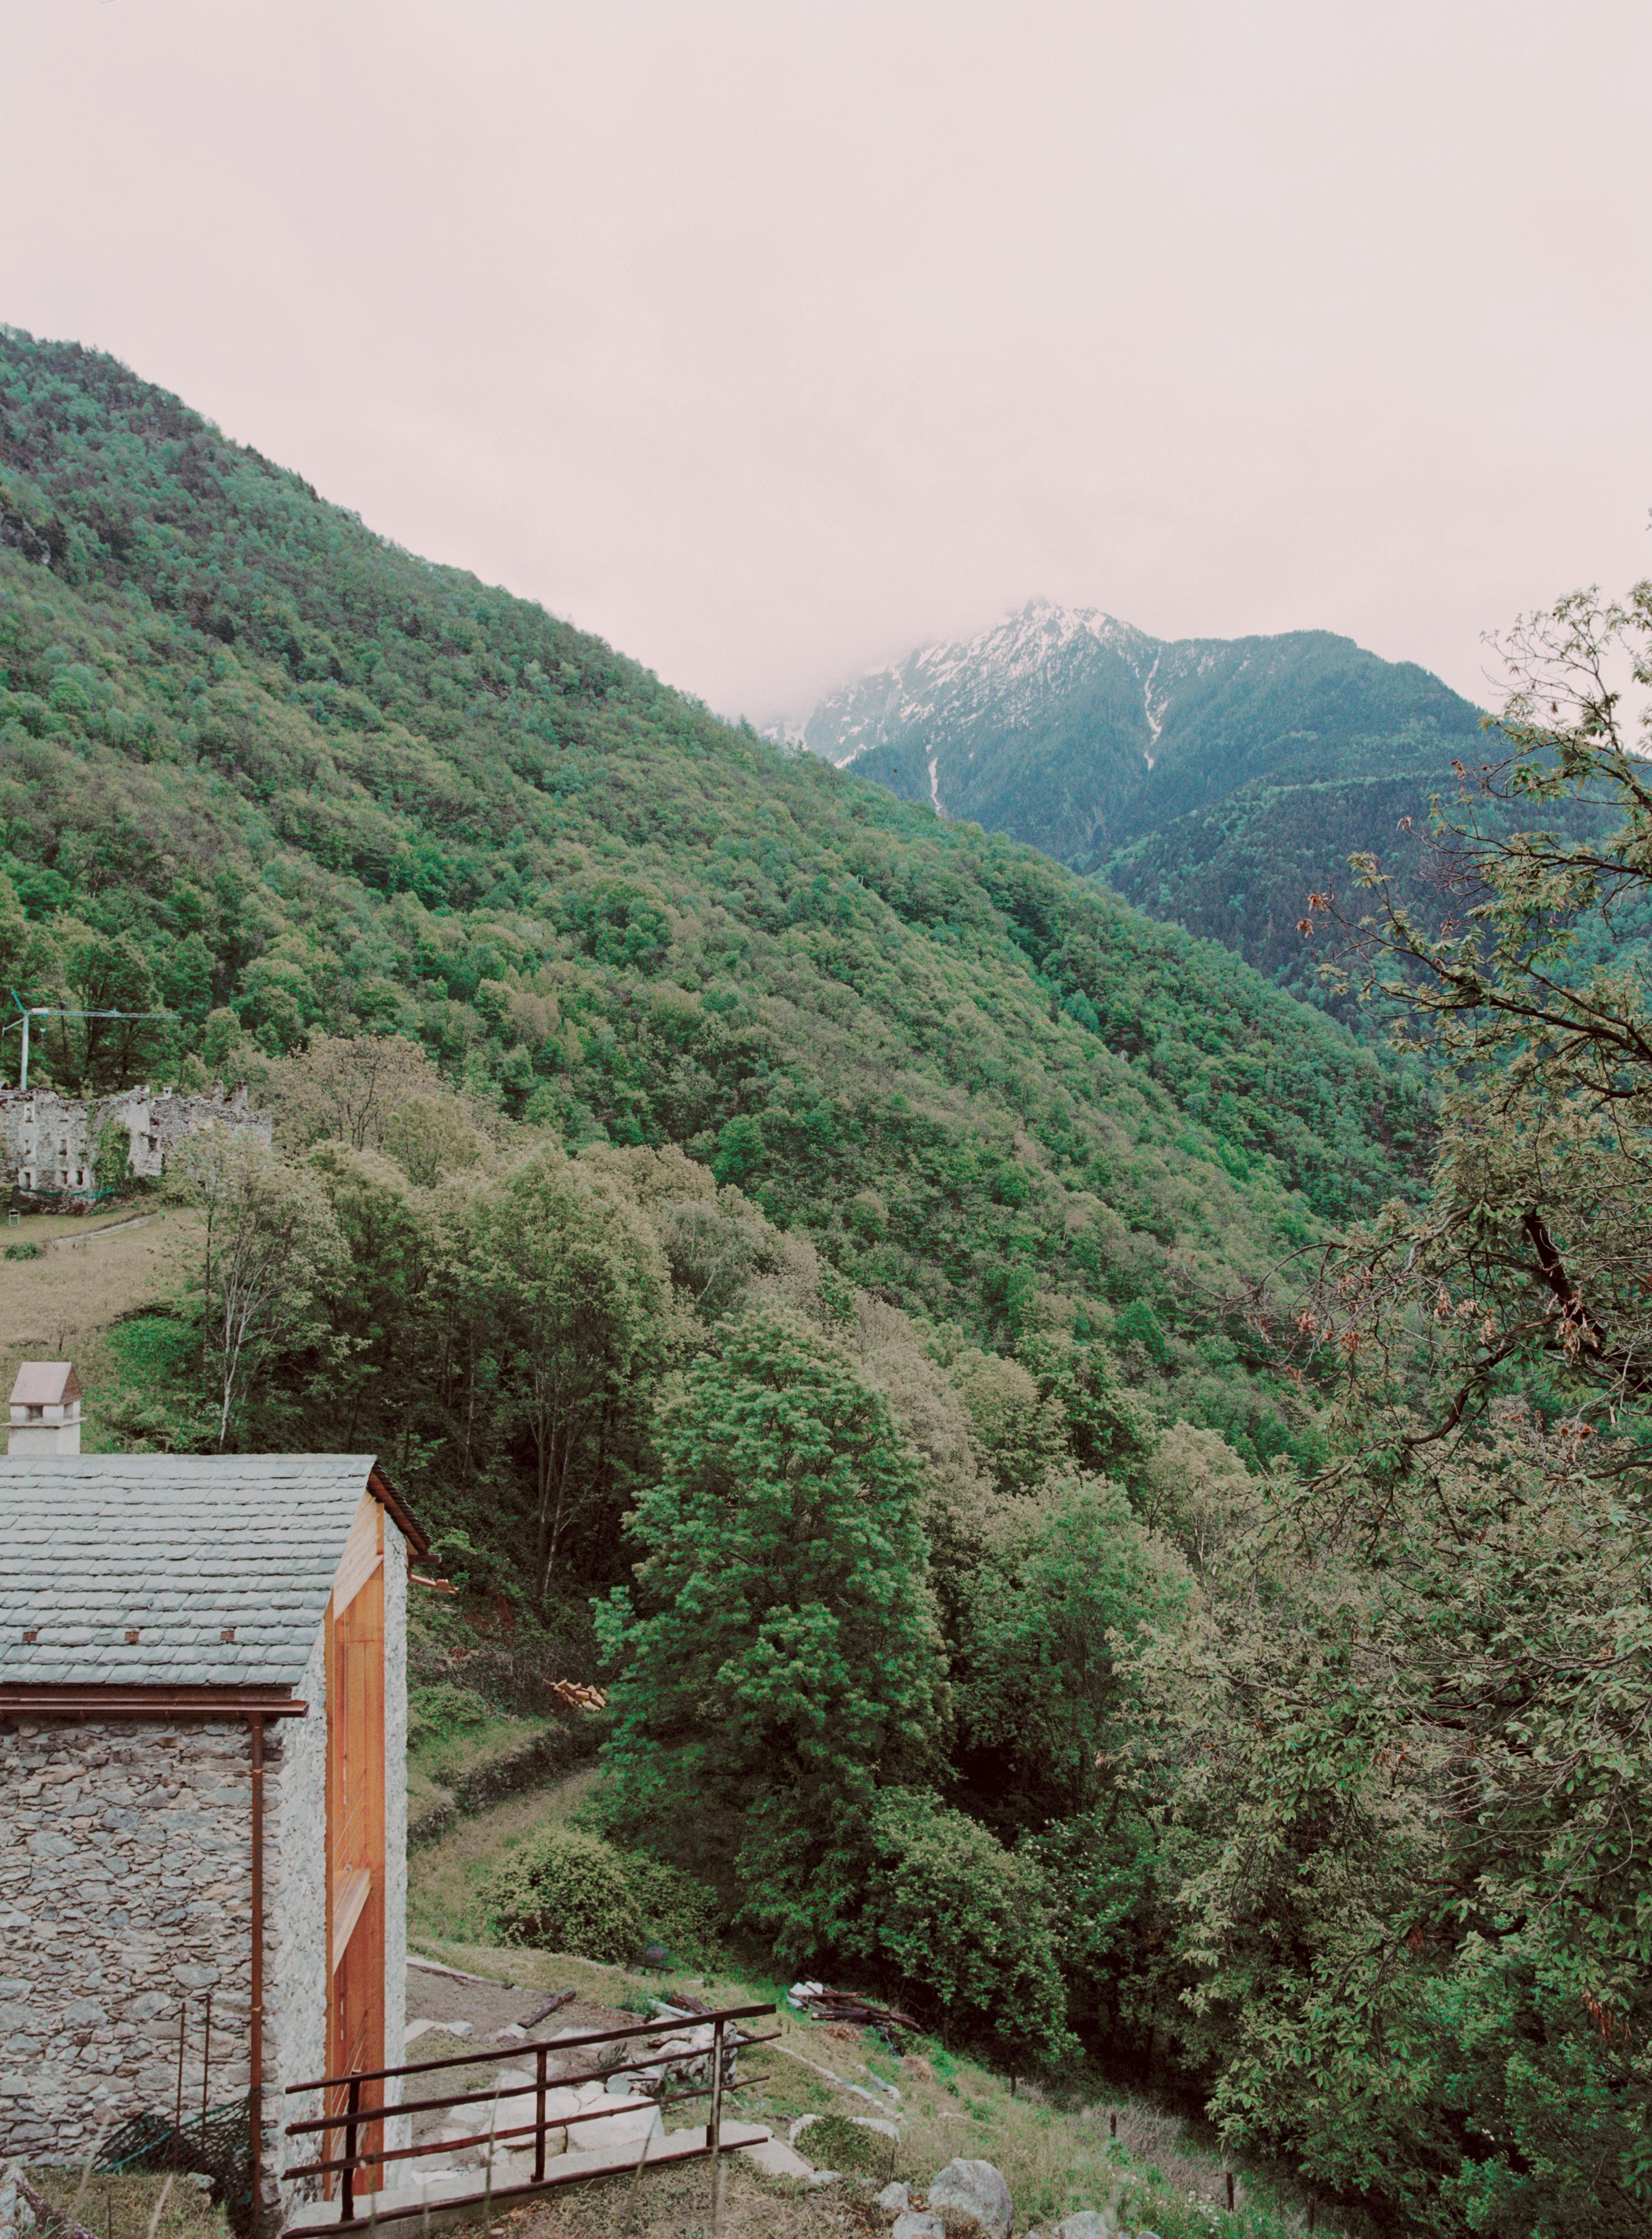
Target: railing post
714 2127
346 2117
353 2109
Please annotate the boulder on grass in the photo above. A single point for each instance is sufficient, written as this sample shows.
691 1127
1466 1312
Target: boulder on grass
975 2188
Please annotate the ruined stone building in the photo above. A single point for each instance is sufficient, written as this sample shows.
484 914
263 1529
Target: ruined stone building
48 1142
203 1787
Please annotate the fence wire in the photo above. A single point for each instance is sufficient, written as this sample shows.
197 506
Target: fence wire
216 2144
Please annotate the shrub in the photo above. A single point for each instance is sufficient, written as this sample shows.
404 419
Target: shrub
839 2141
565 1893
23 1252
1098 1871
675 1908
963 1924
112 1159
569 1891
441 1712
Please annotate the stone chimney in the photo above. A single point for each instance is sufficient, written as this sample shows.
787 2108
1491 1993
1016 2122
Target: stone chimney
45 1409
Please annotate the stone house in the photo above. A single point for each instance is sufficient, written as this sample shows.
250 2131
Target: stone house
202 1783
48 1142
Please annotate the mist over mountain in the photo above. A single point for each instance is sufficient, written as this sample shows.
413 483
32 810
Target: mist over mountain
1211 780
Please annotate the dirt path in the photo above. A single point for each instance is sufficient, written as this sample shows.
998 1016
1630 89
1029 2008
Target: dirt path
445 1878
109 1228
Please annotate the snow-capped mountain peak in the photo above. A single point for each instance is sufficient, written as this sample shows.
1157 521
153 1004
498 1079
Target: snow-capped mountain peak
1011 667
1160 763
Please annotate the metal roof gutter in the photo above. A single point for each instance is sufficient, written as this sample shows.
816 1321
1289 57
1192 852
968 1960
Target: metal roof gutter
120 1698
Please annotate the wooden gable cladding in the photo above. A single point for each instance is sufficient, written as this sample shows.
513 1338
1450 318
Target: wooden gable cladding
356 1801
364 1554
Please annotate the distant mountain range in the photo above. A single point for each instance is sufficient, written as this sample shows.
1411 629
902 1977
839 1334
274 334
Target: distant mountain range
1212 781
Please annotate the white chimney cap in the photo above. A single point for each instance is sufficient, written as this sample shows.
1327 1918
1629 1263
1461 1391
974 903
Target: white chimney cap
45 1384
45 1409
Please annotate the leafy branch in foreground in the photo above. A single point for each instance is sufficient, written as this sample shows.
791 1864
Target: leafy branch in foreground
1412 1785
1408 1747
1533 1257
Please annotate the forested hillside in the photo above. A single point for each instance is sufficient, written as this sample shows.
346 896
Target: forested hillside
1215 782
1100 1507
285 779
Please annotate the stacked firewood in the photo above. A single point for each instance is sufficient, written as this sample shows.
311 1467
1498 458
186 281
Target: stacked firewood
578 1697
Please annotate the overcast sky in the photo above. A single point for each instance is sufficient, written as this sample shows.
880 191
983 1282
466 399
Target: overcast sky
771 340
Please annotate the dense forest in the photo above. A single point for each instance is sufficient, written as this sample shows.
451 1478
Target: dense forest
1122 1508
1238 869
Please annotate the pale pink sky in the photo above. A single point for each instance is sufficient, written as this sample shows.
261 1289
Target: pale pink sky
768 339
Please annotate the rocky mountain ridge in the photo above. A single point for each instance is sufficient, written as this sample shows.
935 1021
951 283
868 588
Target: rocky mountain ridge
1191 773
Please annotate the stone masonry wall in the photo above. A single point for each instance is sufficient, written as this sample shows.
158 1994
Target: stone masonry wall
48 1142
125 1896
295 1918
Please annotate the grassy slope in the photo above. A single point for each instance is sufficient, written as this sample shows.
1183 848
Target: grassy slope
1056 2155
61 1305
311 782
437 1771
445 1878
132 2205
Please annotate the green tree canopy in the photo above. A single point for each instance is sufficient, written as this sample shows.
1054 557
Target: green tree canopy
1041 1703
552 1267
1412 1757
777 1660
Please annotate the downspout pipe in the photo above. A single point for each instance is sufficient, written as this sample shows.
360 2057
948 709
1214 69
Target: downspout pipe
256 2046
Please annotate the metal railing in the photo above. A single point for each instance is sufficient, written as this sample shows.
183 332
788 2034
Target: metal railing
354 2114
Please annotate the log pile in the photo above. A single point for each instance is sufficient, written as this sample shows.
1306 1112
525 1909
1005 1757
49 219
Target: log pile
824 2004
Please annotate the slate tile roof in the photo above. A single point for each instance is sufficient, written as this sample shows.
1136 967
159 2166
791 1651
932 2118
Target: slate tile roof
178 1550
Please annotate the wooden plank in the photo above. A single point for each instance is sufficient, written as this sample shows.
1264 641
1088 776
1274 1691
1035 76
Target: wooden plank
363 1553
350 1893
355 1811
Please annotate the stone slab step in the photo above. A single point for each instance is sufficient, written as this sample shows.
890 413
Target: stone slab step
778 2159
453 2198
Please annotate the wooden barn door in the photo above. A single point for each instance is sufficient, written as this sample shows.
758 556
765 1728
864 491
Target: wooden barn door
355 1818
